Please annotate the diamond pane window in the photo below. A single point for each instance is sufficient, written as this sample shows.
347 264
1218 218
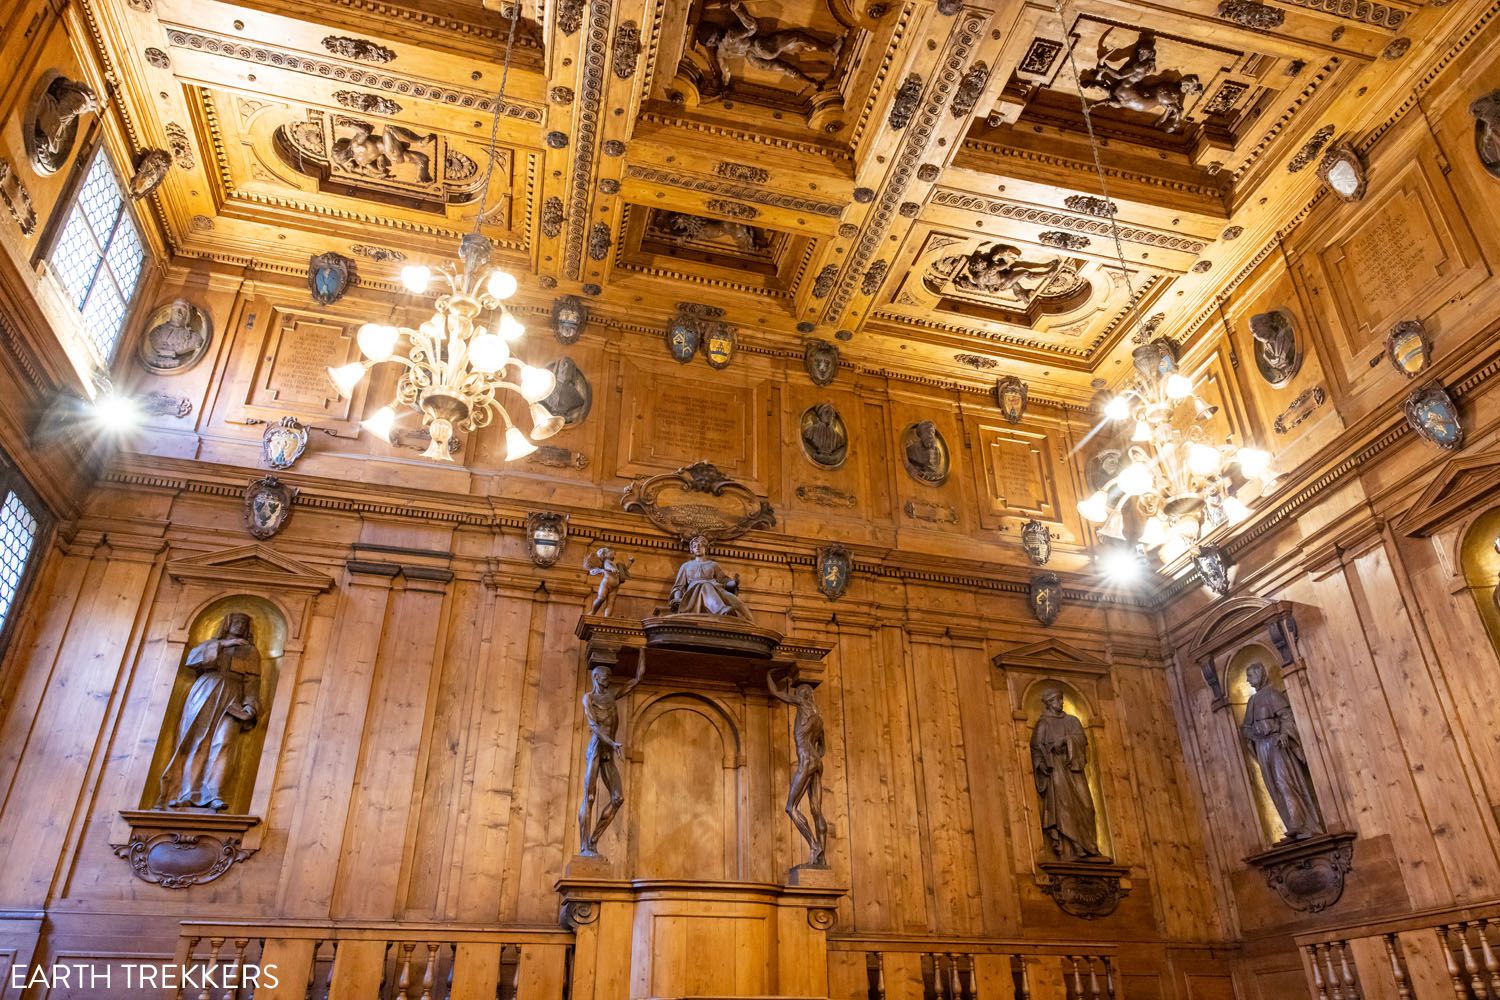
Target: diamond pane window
98 258
18 530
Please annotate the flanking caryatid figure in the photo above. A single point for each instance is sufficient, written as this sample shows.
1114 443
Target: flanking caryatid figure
601 712
222 705
1272 734
1059 762
807 780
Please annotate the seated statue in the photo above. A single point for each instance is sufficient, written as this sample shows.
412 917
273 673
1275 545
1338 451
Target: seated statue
702 588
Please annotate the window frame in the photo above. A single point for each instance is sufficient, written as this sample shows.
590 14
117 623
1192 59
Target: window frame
11 481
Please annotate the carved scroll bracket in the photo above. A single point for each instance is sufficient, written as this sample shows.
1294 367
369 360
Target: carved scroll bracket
177 850
699 500
1309 874
1082 889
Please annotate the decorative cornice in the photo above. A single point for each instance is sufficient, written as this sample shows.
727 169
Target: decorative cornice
814 149
1365 11
1087 167
1046 217
877 84
1287 115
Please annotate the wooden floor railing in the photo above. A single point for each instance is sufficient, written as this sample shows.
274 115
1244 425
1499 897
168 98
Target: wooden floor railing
915 970
1452 955
369 961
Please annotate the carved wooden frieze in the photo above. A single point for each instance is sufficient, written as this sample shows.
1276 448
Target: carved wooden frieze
358 49
699 500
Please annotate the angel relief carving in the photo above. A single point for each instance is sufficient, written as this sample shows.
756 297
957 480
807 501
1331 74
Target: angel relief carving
999 271
681 228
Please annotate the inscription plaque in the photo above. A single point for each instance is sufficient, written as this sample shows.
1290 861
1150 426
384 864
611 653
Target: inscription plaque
292 371
1018 474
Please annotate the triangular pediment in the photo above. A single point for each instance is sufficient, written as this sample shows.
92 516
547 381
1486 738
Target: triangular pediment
1051 654
1451 493
253 564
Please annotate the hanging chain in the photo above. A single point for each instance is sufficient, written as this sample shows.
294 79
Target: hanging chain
1088 122
489 170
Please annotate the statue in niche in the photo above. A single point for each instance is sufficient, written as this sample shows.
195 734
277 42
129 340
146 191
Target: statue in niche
365 152
601 711
763 50
680 227
53 122
1128 75
1276 353
997 269
611 573
702 588
824 437
1059 758
926 453
807 780
222 705
1272 734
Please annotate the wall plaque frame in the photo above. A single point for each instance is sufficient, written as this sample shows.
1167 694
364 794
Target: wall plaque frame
699 500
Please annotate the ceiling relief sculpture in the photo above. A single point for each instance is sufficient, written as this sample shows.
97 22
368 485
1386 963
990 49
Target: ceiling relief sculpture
997 274
718 251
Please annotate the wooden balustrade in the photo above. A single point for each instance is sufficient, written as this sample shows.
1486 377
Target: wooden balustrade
369 961
1445 954
912 970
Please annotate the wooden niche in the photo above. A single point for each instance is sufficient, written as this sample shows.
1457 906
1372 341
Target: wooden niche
221 709
1305 866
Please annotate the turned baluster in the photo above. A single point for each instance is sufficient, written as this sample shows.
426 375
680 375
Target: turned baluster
213 963
192 947
1023 979
1459 990
1490 964
1312 960
1471 965
955 984
1346 971
879 977
403 980
430 972
1335 992
1398 967
1109 977
240 946
1093 979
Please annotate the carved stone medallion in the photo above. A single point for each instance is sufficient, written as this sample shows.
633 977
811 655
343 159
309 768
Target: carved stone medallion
825 439
176 338
683 336
268 504
571 395
283 443
835 566
1036 539
1407 349
1045 598
719 344
1213 567
50 126
699 500
1010 396
328 277
1486 112
925 453
1308 874
546 534
1343 170
150 170
1432 413
820 360
1278 355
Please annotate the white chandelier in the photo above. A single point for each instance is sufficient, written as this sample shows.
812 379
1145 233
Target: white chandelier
457 367
1174 485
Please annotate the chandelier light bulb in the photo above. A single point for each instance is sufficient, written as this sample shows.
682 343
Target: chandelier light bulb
1153 533
1095 508
544 423
1142 432
1117 408
536 383
1253 462
511 328
377 341
516 445
1235 510
346 377
500 284
488 353
416 278
1135 480
380 423
1202 460
1120 565
1179 386
1170 549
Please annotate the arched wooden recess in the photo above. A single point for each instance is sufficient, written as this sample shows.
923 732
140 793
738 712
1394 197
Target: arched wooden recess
1308 875
179 848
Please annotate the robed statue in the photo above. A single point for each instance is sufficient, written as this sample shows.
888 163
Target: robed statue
1059 761
807 781
1272 734
222 705
702 588
601 712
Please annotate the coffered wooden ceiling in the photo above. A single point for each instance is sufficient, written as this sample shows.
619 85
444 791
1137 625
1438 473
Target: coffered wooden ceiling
925 191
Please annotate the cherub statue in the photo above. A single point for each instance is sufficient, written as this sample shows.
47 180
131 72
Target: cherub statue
702 588
611 573
765 51
368 153
1130 78
997 268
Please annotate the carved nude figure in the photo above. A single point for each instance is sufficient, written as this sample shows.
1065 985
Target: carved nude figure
807 780
998 268
1059 758
1272 734
368 153
765 51
601 712
682 226
702 588
611 574
222 705
1129 77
